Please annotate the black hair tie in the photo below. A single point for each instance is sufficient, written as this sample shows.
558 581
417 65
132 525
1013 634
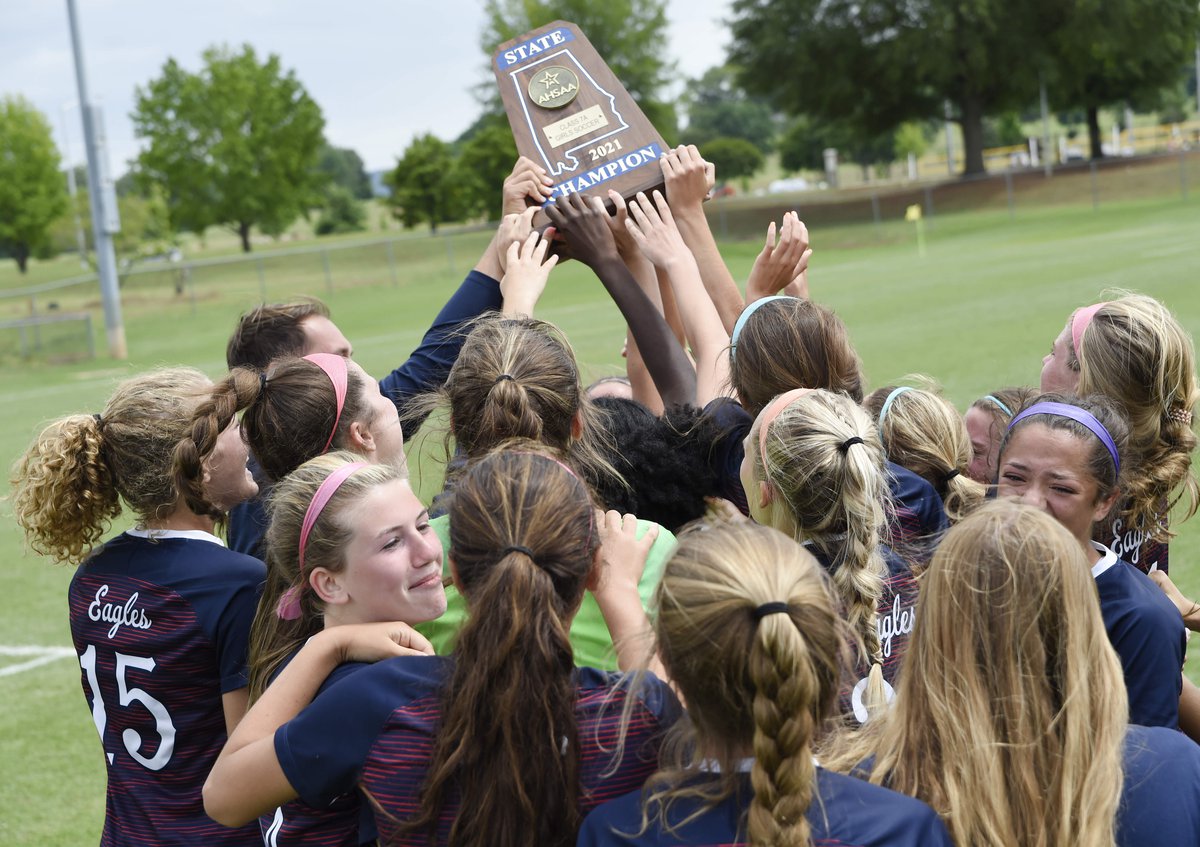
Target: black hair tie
503 377
262 381
99 420
850 442
516 548
951 474
774 608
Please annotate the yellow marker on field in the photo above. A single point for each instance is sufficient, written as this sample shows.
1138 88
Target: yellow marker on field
913 213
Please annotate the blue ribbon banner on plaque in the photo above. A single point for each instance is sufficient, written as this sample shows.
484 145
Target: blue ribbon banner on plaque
533 47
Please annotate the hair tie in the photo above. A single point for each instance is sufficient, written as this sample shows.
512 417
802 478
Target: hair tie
850 442
950 474
740 324
1063 410
1179 414
891 398
262 381
516 548
502 378
996 402
288 607
335 368
1080 321
769 414
773 608
100 421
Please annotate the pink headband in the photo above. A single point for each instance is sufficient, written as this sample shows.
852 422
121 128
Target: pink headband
334 367
288 608
771 413
1080 321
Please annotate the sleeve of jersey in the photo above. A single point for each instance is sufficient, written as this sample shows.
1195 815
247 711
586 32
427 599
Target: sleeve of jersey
429 365
233 628
322 750
1151 651
603 824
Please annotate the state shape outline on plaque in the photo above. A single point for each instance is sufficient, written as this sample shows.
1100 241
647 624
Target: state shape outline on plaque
558 167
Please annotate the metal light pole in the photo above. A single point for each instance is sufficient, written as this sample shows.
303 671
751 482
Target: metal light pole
102 200
1046 152
80 241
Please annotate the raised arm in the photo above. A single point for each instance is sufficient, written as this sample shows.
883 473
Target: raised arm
688 181
584 225
653 226
615 587
781 267
526 271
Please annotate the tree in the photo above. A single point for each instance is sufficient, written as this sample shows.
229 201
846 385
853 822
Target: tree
426 184
630 35
235 145
344 167
875 64
145 226
343 212
485 159
33 190
734 158
1122 50
804 142
718 107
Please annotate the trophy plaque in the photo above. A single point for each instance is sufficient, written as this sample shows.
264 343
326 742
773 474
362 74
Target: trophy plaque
570 114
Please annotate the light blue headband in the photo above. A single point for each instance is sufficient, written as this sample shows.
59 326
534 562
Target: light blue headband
891 398
998 404
745 316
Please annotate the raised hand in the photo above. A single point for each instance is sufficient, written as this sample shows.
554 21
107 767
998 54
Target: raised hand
689 179
513 229
527 185
527 272
622 553
780 263
653 229
373 642
584 224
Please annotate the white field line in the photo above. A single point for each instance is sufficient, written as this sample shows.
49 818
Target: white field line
39 656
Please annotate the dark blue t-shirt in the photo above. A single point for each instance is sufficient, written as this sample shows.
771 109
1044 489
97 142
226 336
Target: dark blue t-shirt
1160 798
425 370
844 811
1147 632
377 728
161 627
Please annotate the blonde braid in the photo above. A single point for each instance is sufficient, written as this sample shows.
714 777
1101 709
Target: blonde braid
786 690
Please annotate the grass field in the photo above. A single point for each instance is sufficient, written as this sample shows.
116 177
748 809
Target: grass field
978 312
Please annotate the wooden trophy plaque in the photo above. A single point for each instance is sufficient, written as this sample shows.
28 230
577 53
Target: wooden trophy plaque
570 114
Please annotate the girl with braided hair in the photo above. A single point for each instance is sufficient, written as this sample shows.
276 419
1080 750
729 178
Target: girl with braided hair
814 470
503 742
160 614
748 628
1011 718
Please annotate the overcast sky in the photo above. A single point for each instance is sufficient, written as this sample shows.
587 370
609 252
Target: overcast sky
381 70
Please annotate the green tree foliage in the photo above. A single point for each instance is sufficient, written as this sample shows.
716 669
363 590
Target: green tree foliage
426 185
344 167
343 212
804 142
486 157
630 35
734 158
33 191
718 107
234 145
1122 51
874 64
145 226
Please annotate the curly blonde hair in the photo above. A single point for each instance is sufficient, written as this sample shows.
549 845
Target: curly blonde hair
69 484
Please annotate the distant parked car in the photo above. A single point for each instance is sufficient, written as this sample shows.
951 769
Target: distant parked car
785 186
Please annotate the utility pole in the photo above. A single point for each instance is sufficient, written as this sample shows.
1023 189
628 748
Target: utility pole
80 241
101 198
949 141
1046 148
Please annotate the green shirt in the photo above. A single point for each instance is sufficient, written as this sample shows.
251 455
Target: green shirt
589 633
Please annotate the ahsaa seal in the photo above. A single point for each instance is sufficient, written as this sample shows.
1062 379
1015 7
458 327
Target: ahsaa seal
553 87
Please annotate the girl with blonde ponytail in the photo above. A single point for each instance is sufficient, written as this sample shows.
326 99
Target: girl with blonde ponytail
749 631
814 469
503 742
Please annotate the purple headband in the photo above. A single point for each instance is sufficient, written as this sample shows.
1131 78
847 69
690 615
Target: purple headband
1064 410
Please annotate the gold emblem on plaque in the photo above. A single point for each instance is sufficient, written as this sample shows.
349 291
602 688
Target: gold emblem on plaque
553 87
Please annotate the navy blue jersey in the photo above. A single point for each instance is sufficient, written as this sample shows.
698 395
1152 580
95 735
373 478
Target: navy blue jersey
1147 632
161 626
1135 545
897 611
844 811
347 821
917 514
1160 798
425 370
377 729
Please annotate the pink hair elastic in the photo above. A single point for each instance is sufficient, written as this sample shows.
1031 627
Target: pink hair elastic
773 410
288 608
334 367
1080 321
